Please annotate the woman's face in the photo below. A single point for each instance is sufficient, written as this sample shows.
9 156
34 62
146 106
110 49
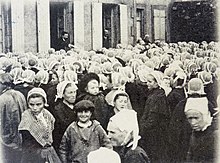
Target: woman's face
69 94
121 102
166 82
93 87
36 104
84 116
54 79
115 135
151 82
196 120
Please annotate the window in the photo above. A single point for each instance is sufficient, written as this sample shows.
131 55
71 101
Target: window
139 22
159 24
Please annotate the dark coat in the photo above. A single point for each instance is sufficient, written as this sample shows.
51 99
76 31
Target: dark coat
211 91
203 145
180 130
64 116
128 155
153 125
12 105
24 88
61 44
138 95
32 151
51 96
174 97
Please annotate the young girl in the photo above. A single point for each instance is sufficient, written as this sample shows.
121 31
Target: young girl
36 127
89 90
83 136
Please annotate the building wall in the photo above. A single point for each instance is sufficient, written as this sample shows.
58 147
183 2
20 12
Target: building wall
88 24
30 26
31 31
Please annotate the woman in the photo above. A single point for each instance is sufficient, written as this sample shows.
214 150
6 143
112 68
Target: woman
123 132
36 127
155 119
204 134
63 111
179 128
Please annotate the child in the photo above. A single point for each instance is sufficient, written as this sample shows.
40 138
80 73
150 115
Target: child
89 90
36 127
83 136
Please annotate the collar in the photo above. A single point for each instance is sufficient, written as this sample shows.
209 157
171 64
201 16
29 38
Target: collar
71 106
85 125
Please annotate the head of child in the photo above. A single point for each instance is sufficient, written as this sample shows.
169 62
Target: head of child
37 100
120 101
90 84
92 87
84 110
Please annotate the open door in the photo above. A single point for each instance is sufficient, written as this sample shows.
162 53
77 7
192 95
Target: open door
61 19
111 25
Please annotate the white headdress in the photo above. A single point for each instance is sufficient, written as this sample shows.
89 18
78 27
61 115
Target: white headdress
103 155
61 87
126 120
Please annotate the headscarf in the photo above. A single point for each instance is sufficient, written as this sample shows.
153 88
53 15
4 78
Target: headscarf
112 94
103 155
126 120
28 76
158 76
199 105
118 81
38 91
195 85
42 77
70 75
61 87
52 64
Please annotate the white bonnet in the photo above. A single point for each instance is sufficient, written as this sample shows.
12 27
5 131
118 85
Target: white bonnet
61 87
38 91
200 105
103 155
126 120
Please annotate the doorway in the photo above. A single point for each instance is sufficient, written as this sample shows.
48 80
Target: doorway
61 19
111 25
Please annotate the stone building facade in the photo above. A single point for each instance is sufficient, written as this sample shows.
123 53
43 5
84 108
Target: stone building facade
34 25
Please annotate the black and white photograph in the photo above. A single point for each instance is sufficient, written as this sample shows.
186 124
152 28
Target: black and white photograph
109 81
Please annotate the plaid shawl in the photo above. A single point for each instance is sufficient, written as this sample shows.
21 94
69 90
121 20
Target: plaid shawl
43 135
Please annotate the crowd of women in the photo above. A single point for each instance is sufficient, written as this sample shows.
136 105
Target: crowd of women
152 102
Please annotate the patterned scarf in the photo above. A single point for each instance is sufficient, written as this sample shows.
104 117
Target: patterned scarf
36 127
